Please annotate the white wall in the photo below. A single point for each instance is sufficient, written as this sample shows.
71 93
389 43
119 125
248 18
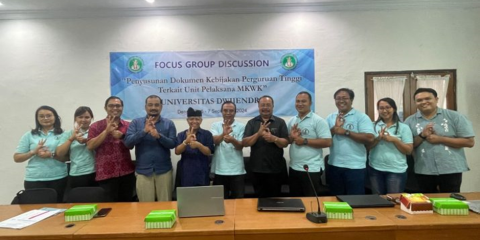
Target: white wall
65 62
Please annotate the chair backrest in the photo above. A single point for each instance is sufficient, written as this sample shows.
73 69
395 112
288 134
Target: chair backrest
327 168
87 195
36 196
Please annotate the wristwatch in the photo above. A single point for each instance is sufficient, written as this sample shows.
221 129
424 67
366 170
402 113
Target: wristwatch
421 136
305 141
347 133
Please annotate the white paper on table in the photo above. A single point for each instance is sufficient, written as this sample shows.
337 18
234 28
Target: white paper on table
26 219
474 205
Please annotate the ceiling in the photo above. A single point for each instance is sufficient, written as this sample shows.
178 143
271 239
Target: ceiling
25 9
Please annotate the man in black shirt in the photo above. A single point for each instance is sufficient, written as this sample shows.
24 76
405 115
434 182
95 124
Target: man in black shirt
267 135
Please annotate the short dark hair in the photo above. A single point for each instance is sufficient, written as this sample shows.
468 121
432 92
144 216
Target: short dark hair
348 90
228 102
81 110
57 126
305 92
429 90
266 96
113 97
153 96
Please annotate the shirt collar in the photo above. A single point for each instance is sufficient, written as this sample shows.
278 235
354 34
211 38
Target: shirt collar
418 114
351 112
259 118
120 123
309 114
48 133
381 123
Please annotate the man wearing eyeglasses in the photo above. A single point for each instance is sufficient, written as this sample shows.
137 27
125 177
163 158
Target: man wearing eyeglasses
113 163
227 164
153 136
351 130
440 136
267 135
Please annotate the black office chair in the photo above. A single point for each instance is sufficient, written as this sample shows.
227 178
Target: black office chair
36 196
87 195
411 185
324 190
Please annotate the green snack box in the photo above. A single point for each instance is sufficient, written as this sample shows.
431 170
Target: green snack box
160 219
80 213
338 210
449 206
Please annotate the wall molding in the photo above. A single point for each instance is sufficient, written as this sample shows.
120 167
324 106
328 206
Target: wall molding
226 8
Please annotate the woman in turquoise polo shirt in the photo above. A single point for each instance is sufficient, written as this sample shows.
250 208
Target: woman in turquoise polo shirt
73 146
387 159
44 168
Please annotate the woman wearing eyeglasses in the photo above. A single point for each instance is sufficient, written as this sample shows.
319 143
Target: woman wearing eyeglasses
44 168
73 145
387 159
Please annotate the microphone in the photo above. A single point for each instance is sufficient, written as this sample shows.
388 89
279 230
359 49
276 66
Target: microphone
315 217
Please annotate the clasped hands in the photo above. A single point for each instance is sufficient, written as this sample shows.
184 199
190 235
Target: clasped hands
338 128
191 139
385 136
112 128
227 129
264 132
296 134
41 150
78 136
430 134
150 127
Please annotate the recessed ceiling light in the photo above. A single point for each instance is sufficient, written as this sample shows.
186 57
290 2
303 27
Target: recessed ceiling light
150 1
1 4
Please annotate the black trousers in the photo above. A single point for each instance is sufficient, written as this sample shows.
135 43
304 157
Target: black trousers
119 189
233 185
87 180
444 183
59 185
300 185
268 184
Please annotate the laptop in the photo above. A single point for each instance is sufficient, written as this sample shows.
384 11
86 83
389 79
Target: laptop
365 201
200 201
280 205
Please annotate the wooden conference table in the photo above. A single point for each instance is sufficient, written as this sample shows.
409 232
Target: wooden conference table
125 222
242 221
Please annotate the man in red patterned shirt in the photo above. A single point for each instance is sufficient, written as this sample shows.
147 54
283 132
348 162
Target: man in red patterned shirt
113 163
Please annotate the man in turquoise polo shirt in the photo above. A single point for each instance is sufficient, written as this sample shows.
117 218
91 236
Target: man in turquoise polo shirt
440 136
309 133
228 164
351 130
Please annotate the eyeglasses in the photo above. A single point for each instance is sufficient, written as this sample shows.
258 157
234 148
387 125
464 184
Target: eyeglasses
194 119
342 99
395 200
266 105
48 116
384 108
228 110
114 106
